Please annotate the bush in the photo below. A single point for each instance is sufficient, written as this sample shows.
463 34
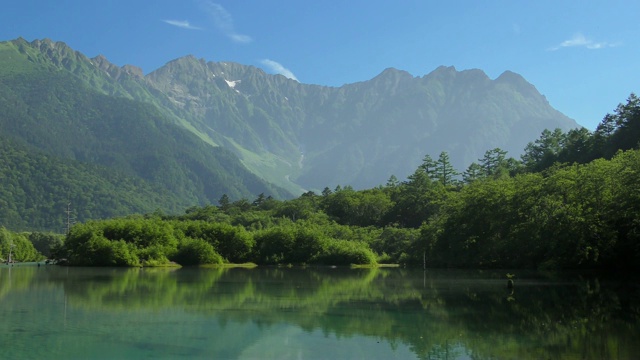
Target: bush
196 252
44 242
19 245
344 252
275 245
289 244
152 256
99 251
232 242
119 242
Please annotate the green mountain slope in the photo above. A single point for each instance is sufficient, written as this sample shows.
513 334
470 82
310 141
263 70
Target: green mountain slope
48 110
36 189
188 121
56 113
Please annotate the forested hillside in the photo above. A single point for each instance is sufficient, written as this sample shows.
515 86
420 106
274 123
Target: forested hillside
505 213
109 156
37 189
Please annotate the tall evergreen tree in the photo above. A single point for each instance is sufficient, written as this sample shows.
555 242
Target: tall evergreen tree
224 202
493 161
445 172
544 152
473 173
428 166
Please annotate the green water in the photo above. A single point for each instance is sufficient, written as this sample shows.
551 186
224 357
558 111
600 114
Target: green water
52 312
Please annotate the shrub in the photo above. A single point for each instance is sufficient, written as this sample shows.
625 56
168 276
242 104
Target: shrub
274 245
344 252
152 256
196 252
98 250
232 242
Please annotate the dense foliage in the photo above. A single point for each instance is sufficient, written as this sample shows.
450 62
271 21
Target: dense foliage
37 189
152 241
18 246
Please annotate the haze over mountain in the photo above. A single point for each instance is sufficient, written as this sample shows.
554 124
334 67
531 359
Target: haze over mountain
191 126
358 134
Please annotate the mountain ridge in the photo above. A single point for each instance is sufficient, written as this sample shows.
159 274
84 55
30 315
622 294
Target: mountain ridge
357 134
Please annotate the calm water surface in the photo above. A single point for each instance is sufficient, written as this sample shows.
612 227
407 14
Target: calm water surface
51 312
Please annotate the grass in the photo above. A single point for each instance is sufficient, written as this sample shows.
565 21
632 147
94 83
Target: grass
13 61
374 266
228 266
270 167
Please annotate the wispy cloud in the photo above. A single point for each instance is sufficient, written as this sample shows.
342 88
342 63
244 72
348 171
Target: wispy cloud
277 68
182 24
224 22
579 40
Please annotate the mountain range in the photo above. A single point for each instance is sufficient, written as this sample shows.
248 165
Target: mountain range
195 130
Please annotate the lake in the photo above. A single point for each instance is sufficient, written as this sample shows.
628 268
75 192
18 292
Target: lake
53 312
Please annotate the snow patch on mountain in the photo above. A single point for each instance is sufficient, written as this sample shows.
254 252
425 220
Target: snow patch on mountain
232 84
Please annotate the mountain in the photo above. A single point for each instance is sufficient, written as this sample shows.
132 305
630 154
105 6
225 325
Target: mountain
37 190
358 134
201 129
53 104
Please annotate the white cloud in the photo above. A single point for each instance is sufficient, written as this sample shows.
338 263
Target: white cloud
182 24
240 38
224 22
278 68
579 40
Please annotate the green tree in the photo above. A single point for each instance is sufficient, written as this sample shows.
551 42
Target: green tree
196 252
415 201
21 249
444 172
44 242
428 166
627 123
578 147
542 153
224 202
393 182
473 173
361 208
259 200
493 162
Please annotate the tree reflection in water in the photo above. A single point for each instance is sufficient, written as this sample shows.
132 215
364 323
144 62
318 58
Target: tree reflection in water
437 314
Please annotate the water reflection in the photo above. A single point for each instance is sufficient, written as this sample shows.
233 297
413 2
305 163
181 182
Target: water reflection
237 312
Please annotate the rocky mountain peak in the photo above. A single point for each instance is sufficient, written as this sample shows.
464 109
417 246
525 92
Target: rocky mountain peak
517 82
114 70
393 73
133 70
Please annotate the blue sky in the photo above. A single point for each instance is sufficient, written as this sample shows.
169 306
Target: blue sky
584 56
